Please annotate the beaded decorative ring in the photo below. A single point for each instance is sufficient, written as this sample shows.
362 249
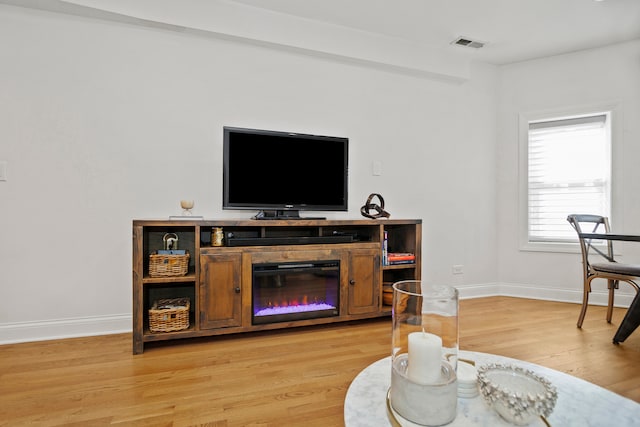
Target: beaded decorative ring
518 395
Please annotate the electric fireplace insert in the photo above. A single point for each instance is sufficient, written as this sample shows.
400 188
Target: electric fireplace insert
290 291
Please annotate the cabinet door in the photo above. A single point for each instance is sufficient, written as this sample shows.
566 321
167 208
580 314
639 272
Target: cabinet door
364 281
220 296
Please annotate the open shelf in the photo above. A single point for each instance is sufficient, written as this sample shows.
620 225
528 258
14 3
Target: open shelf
189 277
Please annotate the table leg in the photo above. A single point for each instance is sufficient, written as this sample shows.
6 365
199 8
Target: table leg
630 322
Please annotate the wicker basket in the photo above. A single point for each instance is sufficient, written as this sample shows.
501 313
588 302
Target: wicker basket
167 315
387 295
168 265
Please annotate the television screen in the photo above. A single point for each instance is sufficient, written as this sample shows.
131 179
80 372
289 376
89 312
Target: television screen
281 173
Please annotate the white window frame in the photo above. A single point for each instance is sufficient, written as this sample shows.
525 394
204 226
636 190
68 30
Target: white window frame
613 114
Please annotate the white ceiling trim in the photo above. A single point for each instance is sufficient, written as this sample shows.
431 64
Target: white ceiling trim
231 21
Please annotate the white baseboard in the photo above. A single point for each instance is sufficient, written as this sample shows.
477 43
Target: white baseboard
11 333
478 290
518 290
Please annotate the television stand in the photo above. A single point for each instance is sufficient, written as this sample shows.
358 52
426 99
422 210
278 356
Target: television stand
224 283
284 214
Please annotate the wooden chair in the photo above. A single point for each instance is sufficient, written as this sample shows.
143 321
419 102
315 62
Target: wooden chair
605 266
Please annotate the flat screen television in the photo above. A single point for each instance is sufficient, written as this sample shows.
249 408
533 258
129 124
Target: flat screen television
282 173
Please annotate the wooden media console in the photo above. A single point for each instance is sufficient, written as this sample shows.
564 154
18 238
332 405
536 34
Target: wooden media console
270 274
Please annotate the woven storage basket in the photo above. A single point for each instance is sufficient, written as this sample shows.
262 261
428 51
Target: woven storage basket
387 295
167 315
168 265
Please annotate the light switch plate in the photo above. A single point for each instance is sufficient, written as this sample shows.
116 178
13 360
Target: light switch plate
3 170
376 168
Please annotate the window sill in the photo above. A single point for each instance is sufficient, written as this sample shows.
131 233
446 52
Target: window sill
557 247
554 247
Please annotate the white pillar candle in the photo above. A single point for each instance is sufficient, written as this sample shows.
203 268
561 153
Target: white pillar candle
425 358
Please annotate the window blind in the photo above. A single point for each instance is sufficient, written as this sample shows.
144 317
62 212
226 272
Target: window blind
568 172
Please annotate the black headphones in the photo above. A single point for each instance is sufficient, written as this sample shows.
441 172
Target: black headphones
379 209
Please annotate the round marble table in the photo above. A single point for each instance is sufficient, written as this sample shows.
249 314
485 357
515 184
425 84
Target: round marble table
580 403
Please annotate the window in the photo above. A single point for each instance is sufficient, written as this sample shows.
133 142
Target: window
568 171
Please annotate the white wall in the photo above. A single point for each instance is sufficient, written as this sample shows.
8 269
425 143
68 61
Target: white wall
608 75
103 122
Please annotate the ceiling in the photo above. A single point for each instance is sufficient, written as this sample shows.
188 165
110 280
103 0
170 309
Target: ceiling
513 30
413 36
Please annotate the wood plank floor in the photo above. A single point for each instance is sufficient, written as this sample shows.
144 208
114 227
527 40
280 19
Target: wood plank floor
282 378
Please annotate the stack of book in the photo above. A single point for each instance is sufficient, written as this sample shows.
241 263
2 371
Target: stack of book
394 258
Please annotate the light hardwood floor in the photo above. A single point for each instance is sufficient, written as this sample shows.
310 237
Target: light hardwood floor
297 377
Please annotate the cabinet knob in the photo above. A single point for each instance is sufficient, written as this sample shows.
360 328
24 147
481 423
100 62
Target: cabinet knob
237 289
352 282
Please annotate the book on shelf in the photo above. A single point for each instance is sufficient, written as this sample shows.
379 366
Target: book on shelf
385 243
400 256
409 261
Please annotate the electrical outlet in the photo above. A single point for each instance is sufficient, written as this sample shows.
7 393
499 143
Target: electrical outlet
457 269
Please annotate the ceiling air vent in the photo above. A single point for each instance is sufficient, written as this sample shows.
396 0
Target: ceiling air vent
465 41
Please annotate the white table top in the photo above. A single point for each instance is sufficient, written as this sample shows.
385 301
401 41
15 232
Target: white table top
580 403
